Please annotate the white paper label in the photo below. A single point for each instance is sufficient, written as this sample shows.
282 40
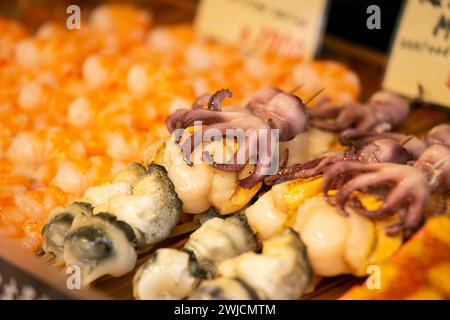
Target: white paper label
287 27
419 63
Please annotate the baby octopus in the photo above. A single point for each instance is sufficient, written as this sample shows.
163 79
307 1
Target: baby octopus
439 134
381 113
407 186
375 151
268 109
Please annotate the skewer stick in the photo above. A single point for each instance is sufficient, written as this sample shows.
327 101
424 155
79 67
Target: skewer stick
296 88
313 96
406 140
184 228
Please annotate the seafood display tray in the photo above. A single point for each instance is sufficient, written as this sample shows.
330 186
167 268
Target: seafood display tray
368 64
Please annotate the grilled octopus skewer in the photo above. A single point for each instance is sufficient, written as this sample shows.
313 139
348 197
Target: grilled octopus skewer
378 150
407 186
269 109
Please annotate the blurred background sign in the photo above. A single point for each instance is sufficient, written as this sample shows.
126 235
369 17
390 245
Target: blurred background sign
419 63
288 27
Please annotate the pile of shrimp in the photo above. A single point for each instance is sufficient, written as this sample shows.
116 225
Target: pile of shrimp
77 106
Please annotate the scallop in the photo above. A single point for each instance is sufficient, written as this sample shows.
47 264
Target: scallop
224 289
219 239
56 229
168 274
100 245
281 271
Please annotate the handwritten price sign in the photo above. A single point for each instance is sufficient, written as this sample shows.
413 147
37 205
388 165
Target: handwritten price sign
288 27
420 56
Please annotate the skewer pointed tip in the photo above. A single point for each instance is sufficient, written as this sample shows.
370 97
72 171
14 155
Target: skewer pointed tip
313 96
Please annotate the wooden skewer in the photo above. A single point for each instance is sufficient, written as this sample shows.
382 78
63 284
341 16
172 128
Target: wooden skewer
184 228
296 88
313 96
406 140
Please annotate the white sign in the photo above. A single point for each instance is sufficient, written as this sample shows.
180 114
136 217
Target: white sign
419 64
287 27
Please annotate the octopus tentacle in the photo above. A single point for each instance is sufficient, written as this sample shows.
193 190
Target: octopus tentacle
205 116
175 120
201 101
216 99
284 159
269 109
188 145
358 183
305 170
233 165
339 169
389 207
414 216
407 186
264 162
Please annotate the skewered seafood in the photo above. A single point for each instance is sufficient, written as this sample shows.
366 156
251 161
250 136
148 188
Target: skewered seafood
410 186
59 136
342 245
336 244
220 239
281 111
281 271
136 210
200 186
149 205
378 150
173 274
382 112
